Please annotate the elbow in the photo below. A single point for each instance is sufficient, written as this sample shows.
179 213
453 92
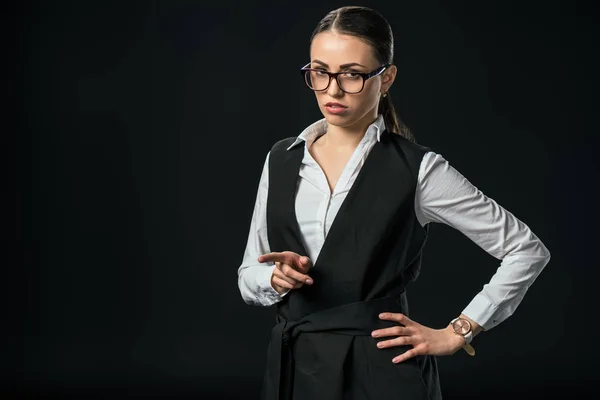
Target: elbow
245 292
543 256
535 247
545 253
242 292
242 288
249 300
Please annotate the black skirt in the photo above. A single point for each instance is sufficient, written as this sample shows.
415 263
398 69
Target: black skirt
335 366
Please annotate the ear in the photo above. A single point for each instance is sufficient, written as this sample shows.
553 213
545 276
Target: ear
388 77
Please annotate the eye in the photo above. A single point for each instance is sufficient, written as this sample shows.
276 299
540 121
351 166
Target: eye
351 75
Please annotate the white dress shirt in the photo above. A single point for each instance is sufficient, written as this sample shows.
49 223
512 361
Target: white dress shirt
442 195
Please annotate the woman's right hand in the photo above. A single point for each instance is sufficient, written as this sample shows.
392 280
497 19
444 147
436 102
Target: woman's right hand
290 270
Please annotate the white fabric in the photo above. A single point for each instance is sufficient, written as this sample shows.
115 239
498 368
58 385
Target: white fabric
443 195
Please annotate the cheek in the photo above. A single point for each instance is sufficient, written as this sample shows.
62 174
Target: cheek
365 100
362 101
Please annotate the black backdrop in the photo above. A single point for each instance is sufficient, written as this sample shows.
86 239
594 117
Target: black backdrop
141 129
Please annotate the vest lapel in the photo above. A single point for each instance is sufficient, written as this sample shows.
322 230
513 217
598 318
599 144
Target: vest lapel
282 224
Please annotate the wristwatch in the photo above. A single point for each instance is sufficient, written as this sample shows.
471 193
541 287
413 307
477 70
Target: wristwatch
462 327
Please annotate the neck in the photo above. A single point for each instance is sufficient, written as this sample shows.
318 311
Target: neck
342 138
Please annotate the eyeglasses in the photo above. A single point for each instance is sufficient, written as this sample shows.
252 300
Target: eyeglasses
349 81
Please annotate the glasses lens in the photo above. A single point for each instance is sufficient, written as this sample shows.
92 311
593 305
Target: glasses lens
316 80
348 82
351 83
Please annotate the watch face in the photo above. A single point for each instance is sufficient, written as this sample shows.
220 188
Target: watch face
461 326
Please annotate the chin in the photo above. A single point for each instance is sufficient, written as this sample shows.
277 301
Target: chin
340 120
335 120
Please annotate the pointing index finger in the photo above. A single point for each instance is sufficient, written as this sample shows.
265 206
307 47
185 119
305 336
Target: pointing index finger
301 263
276 256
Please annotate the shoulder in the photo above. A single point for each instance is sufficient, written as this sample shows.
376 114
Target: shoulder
281 153
409 152
283 144
405 144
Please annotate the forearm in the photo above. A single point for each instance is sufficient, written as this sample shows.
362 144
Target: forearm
254 282
254 278
475 327
504 292
446 196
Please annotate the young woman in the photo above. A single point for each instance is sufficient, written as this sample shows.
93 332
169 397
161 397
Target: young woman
340 221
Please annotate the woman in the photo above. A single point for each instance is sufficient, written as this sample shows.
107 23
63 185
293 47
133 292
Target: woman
338 228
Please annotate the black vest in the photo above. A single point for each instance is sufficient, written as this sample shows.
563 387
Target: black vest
371 253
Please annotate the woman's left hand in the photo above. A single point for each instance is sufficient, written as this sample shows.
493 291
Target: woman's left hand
425 340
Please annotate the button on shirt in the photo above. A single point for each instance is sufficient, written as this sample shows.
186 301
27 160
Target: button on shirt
442 195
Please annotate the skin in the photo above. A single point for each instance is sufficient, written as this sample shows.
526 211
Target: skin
330 51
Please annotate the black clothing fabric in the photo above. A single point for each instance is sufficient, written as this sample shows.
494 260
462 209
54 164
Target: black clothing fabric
321 346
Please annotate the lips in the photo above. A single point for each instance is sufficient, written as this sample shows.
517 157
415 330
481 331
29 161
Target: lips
335 105
335 108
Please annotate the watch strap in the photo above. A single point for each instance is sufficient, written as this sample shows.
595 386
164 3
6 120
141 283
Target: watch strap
469 349
468 337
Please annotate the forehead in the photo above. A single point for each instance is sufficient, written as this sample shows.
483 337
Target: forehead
337 49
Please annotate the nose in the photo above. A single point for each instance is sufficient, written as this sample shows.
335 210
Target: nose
334 89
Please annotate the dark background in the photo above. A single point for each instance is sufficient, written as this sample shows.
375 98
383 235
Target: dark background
141 129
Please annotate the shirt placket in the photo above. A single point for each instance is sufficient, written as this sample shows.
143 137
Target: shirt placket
321 219
325 203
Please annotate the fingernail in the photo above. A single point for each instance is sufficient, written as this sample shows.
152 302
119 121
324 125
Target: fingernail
380 344
309 281
375 334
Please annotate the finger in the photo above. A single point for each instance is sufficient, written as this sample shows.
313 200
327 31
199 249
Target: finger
304 264
292 281
301 263
398 317
283 283
278 273
405 356
292 273
399 341
286 257
393 331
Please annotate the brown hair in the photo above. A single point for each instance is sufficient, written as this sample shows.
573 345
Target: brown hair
370 26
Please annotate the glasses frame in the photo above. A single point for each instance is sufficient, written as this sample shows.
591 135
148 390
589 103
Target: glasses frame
365 75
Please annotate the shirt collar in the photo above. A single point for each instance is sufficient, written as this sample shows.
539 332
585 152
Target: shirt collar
318 128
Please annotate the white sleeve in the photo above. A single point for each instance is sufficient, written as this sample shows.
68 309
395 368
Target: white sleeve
443 195
254 278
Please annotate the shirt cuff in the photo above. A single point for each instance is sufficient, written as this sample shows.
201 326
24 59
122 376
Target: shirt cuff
268 295
485 313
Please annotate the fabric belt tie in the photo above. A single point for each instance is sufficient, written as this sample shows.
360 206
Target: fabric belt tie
354 319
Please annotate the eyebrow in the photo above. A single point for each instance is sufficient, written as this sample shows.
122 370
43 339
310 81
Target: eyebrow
344 66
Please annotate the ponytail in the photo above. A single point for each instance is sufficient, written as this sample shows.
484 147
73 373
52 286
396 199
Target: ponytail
392 122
